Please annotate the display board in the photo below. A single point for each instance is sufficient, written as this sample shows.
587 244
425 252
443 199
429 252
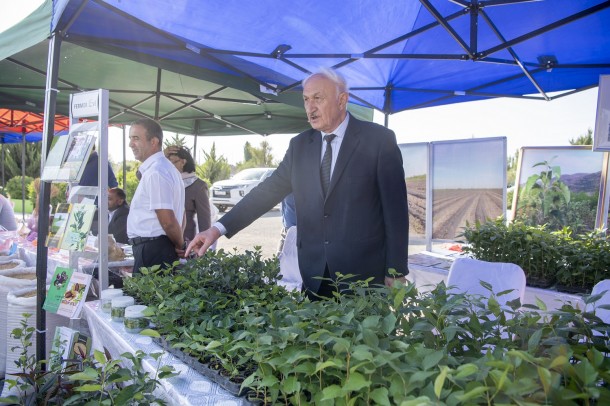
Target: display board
468 184
558 186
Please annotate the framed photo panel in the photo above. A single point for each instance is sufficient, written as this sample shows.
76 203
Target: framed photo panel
601 136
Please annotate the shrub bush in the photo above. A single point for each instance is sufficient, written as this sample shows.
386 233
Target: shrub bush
575 262
13 187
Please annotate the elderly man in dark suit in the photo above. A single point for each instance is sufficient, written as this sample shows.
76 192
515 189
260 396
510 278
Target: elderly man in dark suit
118 211
349 188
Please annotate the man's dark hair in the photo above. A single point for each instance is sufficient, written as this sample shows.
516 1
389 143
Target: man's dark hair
120 193
153 129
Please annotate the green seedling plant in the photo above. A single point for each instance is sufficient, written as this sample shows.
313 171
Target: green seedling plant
98 380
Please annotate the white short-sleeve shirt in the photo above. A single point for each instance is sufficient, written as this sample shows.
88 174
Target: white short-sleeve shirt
161 187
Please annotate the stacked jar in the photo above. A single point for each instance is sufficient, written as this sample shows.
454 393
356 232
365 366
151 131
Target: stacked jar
119 304
107 296
134 319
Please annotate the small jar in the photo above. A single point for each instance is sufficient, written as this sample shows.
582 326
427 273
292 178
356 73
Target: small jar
117 311
107 296
134 319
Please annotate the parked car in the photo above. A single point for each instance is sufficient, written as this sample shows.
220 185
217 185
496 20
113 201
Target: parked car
226 193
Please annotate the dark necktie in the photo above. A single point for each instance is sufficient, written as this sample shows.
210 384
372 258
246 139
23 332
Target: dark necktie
138 174
327 161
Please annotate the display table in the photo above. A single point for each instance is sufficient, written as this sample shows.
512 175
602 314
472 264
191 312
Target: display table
188 388
428 269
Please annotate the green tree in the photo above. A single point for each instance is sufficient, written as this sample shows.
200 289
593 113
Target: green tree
176 141
214 168
132 181
259 157
247 151
13 160
583 139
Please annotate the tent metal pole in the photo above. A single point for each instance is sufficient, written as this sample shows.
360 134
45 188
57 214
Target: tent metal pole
196 135
23 174
3 183
124 160
386 120
44 197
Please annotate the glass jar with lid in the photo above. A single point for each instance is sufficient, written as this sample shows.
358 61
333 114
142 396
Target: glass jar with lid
107 296
134 320
119 304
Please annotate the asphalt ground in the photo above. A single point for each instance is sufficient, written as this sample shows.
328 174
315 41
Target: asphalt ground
263 232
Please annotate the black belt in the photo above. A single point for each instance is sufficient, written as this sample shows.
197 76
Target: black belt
142 240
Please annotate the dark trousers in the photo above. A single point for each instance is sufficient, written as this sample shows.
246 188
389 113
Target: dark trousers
325 290
156 252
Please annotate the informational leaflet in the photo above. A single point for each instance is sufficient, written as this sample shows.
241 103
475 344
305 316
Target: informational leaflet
67 292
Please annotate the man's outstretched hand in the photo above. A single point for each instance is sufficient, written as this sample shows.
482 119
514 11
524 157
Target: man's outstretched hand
202 242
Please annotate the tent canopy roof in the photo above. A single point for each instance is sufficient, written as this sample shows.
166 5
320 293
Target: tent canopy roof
142 86
396 55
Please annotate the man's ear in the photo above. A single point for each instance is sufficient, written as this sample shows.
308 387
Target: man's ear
343 98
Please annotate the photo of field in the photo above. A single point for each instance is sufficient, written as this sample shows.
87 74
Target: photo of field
415 164
452 208
416 197
468 184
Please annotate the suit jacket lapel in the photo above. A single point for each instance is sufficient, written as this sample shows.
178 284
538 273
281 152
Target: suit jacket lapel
348 145
314 149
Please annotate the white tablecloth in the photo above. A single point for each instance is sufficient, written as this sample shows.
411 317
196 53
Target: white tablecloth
188 388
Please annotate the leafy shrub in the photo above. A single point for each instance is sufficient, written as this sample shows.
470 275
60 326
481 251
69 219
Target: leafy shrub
13 187
99 380
547 257
373 344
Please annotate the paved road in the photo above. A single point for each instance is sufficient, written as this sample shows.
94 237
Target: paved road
264 232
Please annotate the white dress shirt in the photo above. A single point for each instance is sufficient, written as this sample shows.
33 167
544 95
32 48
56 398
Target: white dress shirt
161 187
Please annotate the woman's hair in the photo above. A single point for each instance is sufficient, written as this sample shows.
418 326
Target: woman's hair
183 153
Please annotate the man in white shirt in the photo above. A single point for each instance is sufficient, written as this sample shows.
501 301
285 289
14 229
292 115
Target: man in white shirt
153 226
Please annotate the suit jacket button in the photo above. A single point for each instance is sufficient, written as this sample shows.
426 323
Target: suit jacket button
326 242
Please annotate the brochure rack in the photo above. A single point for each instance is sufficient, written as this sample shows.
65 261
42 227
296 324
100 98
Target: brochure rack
66 162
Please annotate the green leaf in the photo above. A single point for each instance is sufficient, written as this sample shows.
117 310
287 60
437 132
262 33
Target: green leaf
213 344
89 374
545 378
473 393
466 370
380 397
89 387
559 361
541 305
291 385
331 392
432 360
99 357
440 381
534 340
150 333
388 324
356 382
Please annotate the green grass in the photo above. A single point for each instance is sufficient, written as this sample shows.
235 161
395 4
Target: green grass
18 208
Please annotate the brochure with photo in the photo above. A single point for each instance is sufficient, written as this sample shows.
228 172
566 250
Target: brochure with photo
78 226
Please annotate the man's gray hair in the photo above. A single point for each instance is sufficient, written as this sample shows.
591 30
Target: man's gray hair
331 75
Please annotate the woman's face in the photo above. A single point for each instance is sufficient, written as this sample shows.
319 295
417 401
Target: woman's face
178 162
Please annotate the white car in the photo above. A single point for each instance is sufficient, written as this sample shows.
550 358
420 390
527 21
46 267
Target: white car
226 193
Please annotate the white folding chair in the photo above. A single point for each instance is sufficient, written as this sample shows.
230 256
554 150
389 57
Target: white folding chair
289 262
465 275
601 287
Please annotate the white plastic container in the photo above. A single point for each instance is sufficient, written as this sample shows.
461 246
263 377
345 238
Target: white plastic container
134 320
119 304
107 296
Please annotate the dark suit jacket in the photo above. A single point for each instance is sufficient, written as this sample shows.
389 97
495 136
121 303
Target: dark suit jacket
362 226
117 226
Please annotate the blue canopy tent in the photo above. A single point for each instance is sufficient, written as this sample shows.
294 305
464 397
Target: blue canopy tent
396 55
